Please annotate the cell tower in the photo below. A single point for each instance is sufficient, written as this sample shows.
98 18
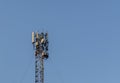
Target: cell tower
40 43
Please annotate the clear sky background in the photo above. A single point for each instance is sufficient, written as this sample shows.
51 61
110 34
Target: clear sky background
84 40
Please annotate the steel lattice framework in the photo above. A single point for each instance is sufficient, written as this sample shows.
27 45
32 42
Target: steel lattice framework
40 43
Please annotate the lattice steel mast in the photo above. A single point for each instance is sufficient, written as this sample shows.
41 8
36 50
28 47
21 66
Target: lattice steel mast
40 43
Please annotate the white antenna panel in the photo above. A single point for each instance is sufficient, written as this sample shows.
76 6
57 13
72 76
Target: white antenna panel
37 35
33 35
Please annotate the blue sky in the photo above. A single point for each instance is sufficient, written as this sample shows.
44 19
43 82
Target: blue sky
84 40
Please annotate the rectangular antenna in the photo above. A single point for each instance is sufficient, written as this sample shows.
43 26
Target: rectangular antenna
33 35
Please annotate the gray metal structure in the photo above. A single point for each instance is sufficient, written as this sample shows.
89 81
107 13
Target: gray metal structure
40 43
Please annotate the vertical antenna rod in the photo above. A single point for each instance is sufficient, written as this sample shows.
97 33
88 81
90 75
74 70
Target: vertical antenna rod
40 43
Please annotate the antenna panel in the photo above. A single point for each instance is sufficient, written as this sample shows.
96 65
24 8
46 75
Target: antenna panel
33 35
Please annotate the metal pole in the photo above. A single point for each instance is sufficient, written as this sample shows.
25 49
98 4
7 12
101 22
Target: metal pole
40 42
36 70
41 69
